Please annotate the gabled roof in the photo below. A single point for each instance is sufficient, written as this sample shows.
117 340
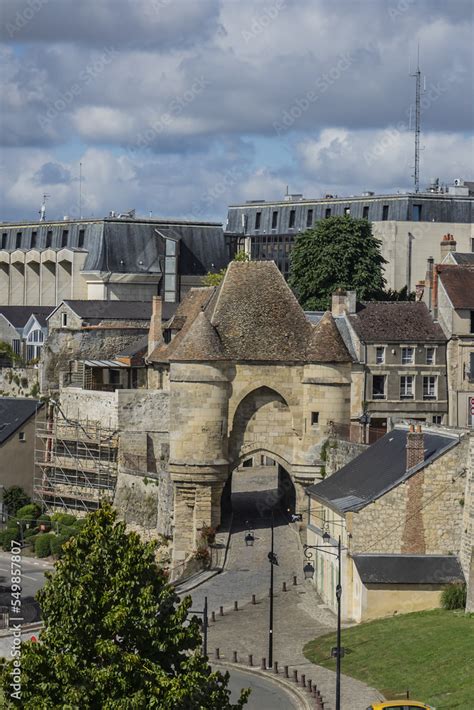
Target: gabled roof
395 321
254 316
109 310
18 316
376 471
408 569
458 282
200 342
463 259
14 413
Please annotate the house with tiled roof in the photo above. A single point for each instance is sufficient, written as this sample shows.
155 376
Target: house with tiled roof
17 441
399 372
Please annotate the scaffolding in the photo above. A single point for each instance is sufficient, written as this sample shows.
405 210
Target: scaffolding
75 463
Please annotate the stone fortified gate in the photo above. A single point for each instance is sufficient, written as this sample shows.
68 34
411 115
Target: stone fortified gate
247 373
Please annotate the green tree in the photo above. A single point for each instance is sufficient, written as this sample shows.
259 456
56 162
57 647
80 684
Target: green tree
339 252
216 278
15 498
116 636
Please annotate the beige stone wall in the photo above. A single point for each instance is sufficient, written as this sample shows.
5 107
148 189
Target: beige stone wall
387 600
19 381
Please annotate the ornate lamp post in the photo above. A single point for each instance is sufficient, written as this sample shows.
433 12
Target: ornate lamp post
308 570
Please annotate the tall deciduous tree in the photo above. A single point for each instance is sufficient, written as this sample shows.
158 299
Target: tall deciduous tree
116 635
339 252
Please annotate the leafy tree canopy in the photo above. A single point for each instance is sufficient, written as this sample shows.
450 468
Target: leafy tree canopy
116 635
216 278
15 498
338 252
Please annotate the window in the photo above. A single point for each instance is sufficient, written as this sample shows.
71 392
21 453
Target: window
378 386
18 240
16 346
309 218
49 238
408 355
64 238
258 219
291 224
64 320
430 356
327 213
429 387
314 418
114 377
437 418
30 353
385 213
416 214
171 270
406 386
472 244
379 354
22 436
4 240
472 322
365 212
33 239
274 219
80 242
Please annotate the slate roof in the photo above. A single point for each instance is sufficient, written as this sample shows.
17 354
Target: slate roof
463 259
137 348
253 315
458 282
111 310
18 316
379 468
408 569
395 321
14 413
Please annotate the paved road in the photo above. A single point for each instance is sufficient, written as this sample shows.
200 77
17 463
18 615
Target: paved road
32 579
265 694
248 569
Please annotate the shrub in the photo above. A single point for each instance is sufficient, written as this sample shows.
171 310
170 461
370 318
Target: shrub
44 520
6 538
63 518
32 510
15 498
57 543
43 544
29 533
454 596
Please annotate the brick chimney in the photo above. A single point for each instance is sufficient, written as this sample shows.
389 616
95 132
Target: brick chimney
343 302
155 334
448 243
415 446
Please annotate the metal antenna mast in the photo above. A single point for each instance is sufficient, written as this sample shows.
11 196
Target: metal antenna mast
80 190
417 75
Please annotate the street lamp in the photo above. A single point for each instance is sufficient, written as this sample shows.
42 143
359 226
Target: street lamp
308 570
249 536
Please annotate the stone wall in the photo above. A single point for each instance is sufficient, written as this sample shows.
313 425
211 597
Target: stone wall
338 453
433 498
467 541
19 381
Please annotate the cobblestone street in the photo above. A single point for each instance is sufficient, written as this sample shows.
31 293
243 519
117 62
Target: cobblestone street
299 614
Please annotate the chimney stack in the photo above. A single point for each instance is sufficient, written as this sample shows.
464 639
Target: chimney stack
448 244
415 446
343 302
155 334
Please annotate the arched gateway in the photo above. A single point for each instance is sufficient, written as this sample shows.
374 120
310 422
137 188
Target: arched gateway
247 373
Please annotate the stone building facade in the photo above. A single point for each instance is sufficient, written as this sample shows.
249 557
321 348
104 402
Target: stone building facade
247 373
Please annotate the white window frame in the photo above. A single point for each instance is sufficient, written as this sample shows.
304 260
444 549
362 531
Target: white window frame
433 349
380 396
411 361
407 386
434 394
382 348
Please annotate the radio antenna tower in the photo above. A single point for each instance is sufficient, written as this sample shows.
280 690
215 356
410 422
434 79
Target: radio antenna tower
417 76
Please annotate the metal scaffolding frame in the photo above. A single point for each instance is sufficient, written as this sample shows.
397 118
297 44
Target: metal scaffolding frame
75 463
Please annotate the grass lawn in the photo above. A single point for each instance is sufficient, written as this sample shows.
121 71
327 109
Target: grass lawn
431 653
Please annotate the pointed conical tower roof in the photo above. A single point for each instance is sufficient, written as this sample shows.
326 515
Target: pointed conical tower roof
326 343
201 342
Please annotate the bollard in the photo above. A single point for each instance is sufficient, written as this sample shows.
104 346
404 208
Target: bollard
275 667
263 664
285 671
236 606
221 611
310 685
217 653
213 615
234 657
303 680
284 586
294 580
295 676
254 601
250 659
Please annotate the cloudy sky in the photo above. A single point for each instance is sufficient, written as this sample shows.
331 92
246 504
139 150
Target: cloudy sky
181 107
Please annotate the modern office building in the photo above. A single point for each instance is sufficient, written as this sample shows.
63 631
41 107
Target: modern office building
410 226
